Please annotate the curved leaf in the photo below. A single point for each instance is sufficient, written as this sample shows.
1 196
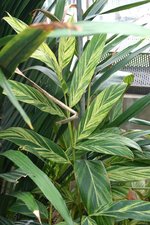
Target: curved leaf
36 144
30 202
13 176
5 85
32 96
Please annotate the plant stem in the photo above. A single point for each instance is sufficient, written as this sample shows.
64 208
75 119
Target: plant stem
80 50
50 214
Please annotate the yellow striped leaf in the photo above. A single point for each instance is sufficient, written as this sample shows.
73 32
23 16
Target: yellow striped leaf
32 96
85 68
93 184
99 109
36 144
133 209
65 51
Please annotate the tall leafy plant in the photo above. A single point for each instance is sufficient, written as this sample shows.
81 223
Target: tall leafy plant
84 170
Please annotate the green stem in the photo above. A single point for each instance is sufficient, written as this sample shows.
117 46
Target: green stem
50 214
80 50
89 94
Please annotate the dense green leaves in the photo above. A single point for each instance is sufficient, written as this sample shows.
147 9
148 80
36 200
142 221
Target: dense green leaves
36 144
99 109
30 95
85 68
138 210
5 221
93 184
42 181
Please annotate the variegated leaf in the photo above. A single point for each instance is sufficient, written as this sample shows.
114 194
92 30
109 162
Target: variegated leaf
30 95
85 68
65 51
88 221
99 109
128 173
13 176
133 209
93 184
36 144
42 53
105 145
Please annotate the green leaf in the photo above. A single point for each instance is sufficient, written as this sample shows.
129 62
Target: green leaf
137 210
133 110
4 40
59 9
32 96
65 51
19 48
88 221
42 181
113 43
94 9
47 14
105 145
129 79
93 184
47 72
5 85
36 144
20 207
128 173
42 53
135 134
15 23
85 68
30 202
90 28
99 109
107 134
140 121
117 66
119 56
126 6
13 176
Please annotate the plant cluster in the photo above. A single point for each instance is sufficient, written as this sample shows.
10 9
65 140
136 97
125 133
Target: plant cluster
65 157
